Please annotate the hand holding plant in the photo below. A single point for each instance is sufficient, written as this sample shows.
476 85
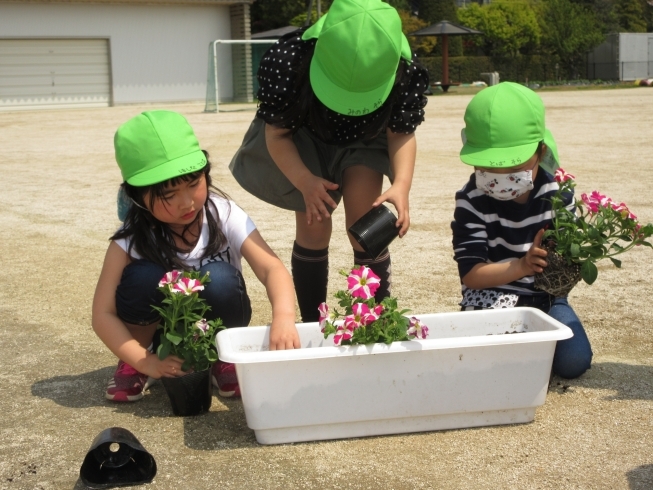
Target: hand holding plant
185 332
600 229
363 320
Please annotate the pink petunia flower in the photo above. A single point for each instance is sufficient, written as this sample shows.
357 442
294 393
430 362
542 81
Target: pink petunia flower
622 209
378 309
562 176
619 207
169 278
187 286
363 315
353 321
592 205
342 333
363 283
600 199
203 325
416 329
325 315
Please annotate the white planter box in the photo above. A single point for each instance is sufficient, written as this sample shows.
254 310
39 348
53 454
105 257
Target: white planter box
467 373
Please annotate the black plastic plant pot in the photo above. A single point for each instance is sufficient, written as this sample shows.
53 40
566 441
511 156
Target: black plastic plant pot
375 230
117 459
191 394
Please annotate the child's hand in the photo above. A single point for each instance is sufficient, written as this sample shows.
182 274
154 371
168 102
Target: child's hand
170 367
284 336
533 262
316 198
399 198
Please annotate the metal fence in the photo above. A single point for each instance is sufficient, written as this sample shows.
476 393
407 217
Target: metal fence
620 70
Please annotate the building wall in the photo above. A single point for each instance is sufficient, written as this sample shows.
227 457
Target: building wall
158 53
625 56
635 56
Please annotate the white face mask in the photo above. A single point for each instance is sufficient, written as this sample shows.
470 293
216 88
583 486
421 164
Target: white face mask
504 187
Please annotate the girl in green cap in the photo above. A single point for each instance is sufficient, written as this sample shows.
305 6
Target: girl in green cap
339 103
178 220
503 209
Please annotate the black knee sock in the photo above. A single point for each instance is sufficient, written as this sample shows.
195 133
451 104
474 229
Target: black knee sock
310 274
382 267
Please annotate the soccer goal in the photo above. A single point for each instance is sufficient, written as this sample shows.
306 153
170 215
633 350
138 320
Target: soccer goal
244 55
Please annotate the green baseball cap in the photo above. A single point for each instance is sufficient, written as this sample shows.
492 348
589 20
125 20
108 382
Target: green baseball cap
359 44
156 146
504 124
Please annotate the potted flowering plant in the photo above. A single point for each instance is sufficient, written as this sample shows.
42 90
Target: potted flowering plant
601 228
363 320
186 334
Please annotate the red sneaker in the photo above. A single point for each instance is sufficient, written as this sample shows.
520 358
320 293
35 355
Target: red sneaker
223 376
127 384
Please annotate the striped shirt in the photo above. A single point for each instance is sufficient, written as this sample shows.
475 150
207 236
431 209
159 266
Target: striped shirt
486 230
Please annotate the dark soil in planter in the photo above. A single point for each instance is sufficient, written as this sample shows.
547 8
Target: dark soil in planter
191 394
558 278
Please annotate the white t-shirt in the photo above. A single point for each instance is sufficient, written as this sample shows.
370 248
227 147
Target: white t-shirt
236 226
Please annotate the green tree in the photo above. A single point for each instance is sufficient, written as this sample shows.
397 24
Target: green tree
399 4
272 14
631 15
604 12
647 5
422 45
569 32
433 11
509 28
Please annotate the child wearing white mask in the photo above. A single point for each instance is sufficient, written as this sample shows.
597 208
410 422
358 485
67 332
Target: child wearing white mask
502 211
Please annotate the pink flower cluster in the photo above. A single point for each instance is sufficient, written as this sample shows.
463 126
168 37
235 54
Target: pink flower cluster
595 201
562 176
361 316
178 284
362 283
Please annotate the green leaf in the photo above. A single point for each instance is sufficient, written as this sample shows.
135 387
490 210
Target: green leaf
175 339
616 262
575 250
164 350
589 272
592 234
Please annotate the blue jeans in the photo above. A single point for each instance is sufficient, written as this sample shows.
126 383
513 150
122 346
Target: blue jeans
572 356
225 293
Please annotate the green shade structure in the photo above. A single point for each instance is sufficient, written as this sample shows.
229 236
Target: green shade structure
444 28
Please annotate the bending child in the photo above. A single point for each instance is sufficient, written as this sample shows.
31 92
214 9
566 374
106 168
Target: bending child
339 105
502 211
178 220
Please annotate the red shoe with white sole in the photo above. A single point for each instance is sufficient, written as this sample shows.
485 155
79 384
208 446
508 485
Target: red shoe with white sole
223 376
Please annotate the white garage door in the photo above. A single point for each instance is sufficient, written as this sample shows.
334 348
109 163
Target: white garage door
46 73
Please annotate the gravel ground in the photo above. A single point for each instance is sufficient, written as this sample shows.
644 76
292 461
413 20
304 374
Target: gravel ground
58 208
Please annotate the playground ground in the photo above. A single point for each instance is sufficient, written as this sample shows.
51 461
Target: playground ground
57 206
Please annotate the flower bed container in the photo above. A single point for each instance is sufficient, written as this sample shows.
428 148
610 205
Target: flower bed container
476 368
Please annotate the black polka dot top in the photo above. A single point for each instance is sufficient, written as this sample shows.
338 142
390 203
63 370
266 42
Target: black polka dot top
286 99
